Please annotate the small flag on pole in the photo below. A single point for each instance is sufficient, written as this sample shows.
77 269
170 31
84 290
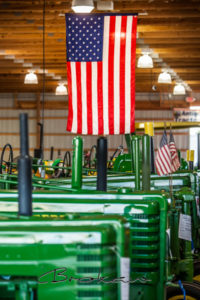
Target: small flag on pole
101 51
175 164
163 159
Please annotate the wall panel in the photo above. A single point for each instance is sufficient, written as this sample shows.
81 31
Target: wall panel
55 127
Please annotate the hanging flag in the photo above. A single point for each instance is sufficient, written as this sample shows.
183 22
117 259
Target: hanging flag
175 164
101 73
163 159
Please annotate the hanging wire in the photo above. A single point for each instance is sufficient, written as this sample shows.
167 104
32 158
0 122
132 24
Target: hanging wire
151 76
122 140
43 75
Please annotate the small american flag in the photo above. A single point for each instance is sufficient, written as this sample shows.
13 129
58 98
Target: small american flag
163 159
101 73
175 164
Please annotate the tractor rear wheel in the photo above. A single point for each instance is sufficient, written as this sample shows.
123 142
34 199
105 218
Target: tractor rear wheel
196 277
192 292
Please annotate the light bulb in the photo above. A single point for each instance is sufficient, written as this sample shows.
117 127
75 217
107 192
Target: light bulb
31 78
145 61
61 89
179 89
164 77
82 6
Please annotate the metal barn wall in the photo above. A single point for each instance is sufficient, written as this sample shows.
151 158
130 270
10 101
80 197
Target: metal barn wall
181 136
55 127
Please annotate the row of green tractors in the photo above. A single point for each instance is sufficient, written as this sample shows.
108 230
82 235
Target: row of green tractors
118 236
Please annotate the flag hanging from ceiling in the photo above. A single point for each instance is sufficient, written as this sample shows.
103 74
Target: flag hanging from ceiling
175 164
163 159
101 52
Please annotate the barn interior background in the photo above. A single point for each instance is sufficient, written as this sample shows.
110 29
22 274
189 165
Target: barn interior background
168 30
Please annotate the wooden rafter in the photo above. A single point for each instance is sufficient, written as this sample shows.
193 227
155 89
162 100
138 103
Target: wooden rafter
171 29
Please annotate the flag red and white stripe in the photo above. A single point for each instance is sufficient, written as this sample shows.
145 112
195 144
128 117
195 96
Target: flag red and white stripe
175 164
163 159
102 93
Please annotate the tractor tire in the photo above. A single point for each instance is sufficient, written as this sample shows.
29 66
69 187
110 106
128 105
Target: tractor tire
192 292
196 277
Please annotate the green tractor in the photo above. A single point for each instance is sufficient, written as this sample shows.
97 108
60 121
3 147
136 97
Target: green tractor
76 236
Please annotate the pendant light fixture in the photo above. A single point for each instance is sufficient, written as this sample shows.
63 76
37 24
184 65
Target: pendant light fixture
31 78
179 89
82 6
164 77
145 61
61 89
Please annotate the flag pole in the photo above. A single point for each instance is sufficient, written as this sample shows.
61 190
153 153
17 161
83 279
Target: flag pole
171 182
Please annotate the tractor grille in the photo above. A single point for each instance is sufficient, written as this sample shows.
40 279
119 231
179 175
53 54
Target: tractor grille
93 260
145 246
179 204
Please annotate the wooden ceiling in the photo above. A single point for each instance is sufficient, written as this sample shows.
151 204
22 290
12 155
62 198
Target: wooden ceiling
171 28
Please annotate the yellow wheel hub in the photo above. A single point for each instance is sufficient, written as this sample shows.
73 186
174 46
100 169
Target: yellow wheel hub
197 278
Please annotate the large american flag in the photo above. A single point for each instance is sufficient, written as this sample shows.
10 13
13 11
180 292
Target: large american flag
101 73
163 159
175 164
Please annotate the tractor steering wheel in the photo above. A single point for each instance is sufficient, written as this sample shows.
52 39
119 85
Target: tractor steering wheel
10 160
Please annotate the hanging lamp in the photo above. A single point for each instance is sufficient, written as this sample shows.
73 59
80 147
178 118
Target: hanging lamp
61 89
31 78
164 77
179 89
82 6
145 61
